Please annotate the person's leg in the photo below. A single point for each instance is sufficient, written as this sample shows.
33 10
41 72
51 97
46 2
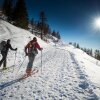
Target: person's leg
4 62
3 59
31 59
30 64
1 62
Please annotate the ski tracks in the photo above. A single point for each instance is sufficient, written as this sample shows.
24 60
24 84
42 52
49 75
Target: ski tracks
61 79
84 86
64 78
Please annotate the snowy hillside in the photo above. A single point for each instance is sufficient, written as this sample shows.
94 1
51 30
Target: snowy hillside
66 73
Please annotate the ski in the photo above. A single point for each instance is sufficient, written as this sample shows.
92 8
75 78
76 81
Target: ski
7 68
26 76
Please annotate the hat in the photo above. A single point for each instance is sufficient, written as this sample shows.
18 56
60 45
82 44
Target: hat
34 39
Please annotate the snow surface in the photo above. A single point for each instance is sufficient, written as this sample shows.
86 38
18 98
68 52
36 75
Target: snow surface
65 73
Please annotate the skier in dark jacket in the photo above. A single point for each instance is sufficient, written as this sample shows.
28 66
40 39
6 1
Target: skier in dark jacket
31 52
4 54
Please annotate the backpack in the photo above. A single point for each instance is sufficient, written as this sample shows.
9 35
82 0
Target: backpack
32 49
3 46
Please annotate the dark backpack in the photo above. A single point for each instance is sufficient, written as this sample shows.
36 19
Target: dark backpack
3 46
32 49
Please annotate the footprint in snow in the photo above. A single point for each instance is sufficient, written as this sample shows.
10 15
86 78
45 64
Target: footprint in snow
82 77
84 85
81 61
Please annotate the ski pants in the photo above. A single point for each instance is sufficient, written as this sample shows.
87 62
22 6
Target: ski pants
31 60
3 60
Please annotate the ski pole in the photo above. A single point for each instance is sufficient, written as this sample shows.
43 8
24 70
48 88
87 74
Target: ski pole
21 64
15 59
41 61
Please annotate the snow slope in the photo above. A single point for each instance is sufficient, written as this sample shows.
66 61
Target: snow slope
66 73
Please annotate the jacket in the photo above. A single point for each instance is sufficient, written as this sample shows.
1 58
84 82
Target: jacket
30 44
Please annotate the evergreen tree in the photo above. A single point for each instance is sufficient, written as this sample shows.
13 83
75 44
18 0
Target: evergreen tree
91 53
20 14
38 26
84 49
97 54
8 9
54 33
87 51
46 29
74 45
42 22
5 6
70 43
58 35
50 32
32 25
77 46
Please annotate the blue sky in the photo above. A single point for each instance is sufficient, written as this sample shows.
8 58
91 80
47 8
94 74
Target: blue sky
72 18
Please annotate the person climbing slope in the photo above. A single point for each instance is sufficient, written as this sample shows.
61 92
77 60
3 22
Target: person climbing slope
4 53
31 51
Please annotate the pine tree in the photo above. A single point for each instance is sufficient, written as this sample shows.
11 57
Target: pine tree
91 53
49 31
5 6
46 29
43 20
58 36
20 14
70 43
8 9
77 46
54 33
38 26
32 24
74 45
84 49
97 54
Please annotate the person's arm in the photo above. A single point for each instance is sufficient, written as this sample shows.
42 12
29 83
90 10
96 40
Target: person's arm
38 46
12 48
26 49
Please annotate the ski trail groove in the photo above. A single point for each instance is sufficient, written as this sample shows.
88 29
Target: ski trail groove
61 79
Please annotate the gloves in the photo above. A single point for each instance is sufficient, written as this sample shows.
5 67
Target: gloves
26 54
41 49
15 49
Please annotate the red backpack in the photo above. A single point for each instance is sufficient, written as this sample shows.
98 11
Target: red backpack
32 48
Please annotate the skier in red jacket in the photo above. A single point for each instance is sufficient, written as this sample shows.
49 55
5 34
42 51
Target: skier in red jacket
31 51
